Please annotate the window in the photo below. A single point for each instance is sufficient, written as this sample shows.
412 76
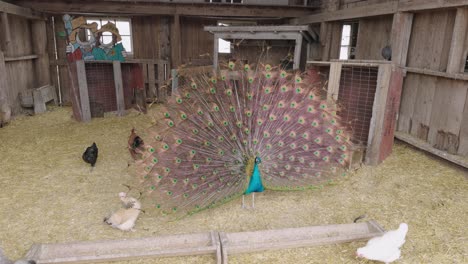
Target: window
224 46
466 64
348 40
124 27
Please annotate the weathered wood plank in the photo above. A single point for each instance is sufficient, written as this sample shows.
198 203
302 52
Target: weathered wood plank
376 129
6 40
334 81
119 93
83 90
39 43
175 42
456 60
297 52
423 106
374 34
418 5
401 33
423 145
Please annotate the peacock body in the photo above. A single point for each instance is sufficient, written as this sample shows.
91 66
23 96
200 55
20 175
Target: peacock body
239 130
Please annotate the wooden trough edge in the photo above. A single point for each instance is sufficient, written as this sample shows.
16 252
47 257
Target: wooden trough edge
219 244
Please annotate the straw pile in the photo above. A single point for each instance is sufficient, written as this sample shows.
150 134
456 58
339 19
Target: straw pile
48 195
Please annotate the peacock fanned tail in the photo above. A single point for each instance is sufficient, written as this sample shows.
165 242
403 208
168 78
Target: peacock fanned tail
202 150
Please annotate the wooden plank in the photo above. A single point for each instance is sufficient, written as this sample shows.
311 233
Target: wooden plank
350 13
174 81
453 76
119 93
456 60
184 9
297 52
423 106
252 29
374 34
446 115
217 244
224 244
459 160
258 35
151 81
408 97
83 90
20 58
39 102
244 242
376 129
20 11
124 249
401 33
162 94
334 81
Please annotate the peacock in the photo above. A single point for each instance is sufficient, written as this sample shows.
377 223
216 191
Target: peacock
237 130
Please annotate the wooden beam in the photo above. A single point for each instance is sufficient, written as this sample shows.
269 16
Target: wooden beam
119 93
457 57
419 5
215 51
350 13
6 40
401 32
147 8
83 90
258 35
378 113
423 145
453 76
20 11
20 58
256 28
297 52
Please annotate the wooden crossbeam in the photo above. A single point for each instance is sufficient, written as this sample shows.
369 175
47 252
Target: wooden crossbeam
20 11
151 8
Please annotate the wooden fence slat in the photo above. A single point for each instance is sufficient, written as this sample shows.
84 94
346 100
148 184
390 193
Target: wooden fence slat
119 93
83 89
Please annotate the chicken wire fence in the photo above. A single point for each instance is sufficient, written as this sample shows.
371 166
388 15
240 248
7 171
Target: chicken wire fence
356 94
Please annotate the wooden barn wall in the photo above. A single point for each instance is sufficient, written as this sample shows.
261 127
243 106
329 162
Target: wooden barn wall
373 35
430 40
20 73
196 44
435 109
145 31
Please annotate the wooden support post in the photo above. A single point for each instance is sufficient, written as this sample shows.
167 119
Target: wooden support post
175 80
39 43
334 80
4 105
161 84
457 55
401 32
119 93
39 104
215 51
298 52
151 82
83 89
6 40
175 42
385 110
325 39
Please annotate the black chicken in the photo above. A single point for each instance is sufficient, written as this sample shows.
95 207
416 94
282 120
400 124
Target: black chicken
91 154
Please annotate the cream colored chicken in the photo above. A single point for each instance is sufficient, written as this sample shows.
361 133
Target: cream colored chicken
125 218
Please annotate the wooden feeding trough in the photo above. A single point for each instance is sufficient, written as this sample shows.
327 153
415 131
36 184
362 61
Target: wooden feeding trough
219 244
38 98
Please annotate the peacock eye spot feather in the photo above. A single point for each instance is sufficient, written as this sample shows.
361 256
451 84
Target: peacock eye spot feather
174 181
166 114
186 195
268 67
284 88
170 123
268 75
298 79
246 67
213 80
193 85
283 74
323 106
153 187
212 90
179 141
160 177
250 80
167 170
183 116
210 124
179 100
151 150
187 95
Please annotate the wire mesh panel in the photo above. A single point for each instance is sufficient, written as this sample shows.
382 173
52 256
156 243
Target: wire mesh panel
101 88
356 97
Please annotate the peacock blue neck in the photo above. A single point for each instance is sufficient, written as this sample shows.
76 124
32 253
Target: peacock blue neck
255 184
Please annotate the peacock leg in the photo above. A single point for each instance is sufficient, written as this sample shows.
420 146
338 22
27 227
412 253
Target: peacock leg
243 202
253 200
